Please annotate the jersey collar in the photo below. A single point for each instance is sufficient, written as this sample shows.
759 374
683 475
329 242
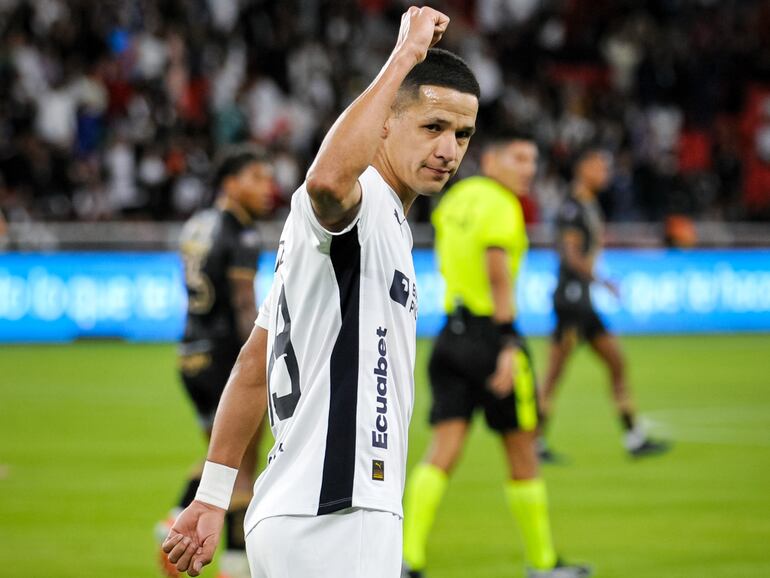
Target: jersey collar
236 210
393 194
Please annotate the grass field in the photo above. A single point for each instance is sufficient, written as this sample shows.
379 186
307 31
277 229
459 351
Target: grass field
96 437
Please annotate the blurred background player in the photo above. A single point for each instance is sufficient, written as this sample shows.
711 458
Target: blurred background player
579 241
220 247
480 360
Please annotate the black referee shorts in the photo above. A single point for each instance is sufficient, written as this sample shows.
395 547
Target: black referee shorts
205 368
463 358
575 312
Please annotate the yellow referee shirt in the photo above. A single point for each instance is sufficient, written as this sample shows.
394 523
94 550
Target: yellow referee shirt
475 214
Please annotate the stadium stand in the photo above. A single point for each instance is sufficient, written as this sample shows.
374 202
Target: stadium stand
113 111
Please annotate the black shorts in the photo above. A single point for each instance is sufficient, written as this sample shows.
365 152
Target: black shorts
575 312
464 357
205 368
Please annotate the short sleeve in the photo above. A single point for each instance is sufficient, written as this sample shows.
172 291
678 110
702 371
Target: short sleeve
266 308
372 186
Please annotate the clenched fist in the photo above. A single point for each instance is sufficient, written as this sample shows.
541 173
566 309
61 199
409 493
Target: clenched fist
420 29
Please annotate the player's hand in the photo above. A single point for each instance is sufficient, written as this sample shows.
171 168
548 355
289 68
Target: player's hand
420 29
501 382
194 536
612 287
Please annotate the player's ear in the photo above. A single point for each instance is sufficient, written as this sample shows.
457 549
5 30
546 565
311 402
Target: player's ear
385 131
225 185
487 161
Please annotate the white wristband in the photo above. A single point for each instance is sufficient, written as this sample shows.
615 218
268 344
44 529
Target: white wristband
216 487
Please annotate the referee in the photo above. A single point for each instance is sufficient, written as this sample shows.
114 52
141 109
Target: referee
480 361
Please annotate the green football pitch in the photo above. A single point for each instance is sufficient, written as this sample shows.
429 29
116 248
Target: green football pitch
95 439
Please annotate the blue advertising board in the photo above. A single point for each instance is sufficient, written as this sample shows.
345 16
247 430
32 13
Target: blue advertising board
64 296
140 296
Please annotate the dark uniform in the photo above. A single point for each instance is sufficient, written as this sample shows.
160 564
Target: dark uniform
477 214
464 357
572 298
216 245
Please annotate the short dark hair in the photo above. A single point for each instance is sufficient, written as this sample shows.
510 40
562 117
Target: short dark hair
588 151
504 135
234 158
440 68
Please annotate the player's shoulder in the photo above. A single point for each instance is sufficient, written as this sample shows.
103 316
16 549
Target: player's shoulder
482 190
571 211
371 182
203 224
375 191
493 199
377 199
371 178
236 229
206 216
474 184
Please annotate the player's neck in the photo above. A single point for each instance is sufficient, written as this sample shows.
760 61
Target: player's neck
236 209
583 193
494 176
404 193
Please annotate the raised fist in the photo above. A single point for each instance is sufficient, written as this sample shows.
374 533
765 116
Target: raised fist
420 29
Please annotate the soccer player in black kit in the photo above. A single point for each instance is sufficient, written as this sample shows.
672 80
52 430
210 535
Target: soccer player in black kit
579 241
219 247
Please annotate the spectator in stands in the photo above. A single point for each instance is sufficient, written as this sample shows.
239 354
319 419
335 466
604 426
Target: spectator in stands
96 94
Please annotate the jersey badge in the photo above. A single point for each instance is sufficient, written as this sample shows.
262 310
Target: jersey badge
378 470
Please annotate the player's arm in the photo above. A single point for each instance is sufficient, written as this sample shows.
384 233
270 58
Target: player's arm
501 287
574 259
579 263
241 281
500 284
351 144
195 534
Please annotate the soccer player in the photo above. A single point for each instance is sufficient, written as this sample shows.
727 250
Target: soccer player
579 241
332 356
480 360
220 247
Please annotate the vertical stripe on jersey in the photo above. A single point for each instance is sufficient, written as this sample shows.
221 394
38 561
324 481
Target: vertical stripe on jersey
340 455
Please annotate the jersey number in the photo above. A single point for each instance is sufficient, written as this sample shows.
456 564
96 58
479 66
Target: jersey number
283 349
200 289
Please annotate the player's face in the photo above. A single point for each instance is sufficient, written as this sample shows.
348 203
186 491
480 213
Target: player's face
429 137
517 165
253 186
596 171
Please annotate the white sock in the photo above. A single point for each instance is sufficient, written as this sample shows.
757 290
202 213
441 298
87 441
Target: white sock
635 438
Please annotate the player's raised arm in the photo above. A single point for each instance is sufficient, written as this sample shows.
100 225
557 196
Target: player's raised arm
195 534
351 144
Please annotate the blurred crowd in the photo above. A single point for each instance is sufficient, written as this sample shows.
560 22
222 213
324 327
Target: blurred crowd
116 109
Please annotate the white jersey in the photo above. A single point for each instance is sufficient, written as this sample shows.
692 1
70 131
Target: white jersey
341 319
